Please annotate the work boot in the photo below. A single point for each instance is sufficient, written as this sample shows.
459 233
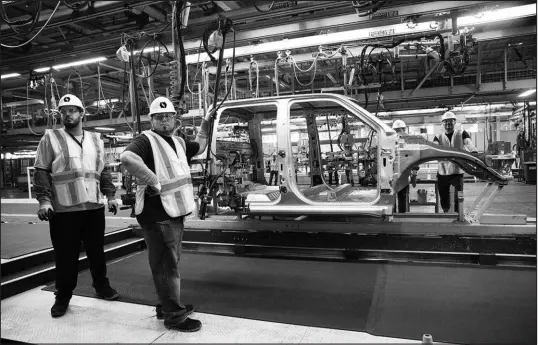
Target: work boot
60 306
160 313
189 325
107 293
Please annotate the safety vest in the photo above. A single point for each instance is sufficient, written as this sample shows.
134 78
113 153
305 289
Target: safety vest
446 167
76 170
273 165
173 173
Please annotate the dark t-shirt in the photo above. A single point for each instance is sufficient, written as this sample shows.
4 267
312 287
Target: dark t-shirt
153 208
464 135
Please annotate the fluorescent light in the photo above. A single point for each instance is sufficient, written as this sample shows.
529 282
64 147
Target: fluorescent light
9 75
502 113
105 101
499 15
412 112
79 62
104 129
42 69
148 50
527 93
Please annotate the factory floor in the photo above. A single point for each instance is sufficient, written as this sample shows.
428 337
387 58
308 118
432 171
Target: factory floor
26 316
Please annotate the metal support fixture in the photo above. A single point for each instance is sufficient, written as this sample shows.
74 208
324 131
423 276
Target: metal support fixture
434 68
151 85
473 213
461 215
344 68
505 64
402 82
479 68
234 89
451 87
254 63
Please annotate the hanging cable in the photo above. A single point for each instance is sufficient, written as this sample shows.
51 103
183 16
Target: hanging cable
27 112
31 39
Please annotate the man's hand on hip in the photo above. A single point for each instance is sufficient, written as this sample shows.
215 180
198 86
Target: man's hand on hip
45 212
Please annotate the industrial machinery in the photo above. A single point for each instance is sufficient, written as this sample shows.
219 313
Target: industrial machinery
247 129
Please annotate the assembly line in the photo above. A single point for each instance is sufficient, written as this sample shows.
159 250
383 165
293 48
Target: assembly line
268 171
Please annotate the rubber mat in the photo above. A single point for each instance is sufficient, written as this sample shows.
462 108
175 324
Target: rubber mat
22 239
454 304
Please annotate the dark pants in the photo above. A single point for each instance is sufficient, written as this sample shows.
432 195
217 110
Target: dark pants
444 183
67 231
349 177
335 172
163 240
402 200
275 174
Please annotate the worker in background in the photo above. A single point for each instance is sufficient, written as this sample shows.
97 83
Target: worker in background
448 173
400 127
273 169
164 197
332 168
69 176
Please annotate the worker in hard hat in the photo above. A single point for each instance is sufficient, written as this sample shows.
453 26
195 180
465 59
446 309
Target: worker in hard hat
448 173
400 127
69 177
164 197
273 169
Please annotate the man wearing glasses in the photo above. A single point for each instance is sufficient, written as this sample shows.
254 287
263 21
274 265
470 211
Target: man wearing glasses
448 173
69 176
159 161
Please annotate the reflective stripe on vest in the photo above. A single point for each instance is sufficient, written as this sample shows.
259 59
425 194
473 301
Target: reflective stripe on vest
173 173
446 167
76 171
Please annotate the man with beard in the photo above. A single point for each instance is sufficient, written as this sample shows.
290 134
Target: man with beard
69 176
159 161
448 173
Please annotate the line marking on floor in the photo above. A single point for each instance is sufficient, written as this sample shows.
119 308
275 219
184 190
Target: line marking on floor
35 215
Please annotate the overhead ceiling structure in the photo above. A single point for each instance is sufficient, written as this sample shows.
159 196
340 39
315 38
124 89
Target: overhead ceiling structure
501 67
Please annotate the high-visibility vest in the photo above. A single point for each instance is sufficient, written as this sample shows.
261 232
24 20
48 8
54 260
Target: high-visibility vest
274 165
76 171
173 173
446 167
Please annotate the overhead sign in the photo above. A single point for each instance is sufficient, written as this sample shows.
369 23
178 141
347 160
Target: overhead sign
382 32
381 15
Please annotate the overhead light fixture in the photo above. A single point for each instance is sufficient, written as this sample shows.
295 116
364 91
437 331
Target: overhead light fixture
108 129
499 114
147 50
79 62
527 93
10 75
502 14
412 112
105 101
42 69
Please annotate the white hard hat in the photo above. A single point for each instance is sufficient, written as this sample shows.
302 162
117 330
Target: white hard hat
161 105
70 100
448 116
398 124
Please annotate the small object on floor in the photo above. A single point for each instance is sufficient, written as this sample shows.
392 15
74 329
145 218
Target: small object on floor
60 307
427 339
189 325
160 313
32 222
